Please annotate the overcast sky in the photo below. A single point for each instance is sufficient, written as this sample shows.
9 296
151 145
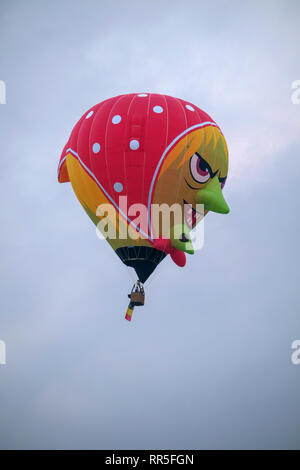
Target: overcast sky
207 362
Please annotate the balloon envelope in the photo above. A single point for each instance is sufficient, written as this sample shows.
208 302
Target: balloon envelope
133 153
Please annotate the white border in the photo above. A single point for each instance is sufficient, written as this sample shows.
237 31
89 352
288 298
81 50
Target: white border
196 126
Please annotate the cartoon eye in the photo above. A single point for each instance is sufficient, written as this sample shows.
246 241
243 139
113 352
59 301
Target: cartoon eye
200 169
222 181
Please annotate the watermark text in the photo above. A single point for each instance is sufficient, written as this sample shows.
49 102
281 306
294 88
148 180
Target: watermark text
2 353
295 97
176 222
2 92
295 357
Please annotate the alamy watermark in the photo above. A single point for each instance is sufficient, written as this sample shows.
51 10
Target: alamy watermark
2 92
2 353
295 357
295 96
176 221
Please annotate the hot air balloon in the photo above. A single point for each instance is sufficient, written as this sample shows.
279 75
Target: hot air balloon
135 152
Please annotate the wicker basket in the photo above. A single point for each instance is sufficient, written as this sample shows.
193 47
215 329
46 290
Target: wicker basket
137 298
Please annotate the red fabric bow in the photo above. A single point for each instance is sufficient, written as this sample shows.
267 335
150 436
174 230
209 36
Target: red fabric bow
164 244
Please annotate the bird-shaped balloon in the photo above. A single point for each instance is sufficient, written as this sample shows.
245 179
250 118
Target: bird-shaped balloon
135 156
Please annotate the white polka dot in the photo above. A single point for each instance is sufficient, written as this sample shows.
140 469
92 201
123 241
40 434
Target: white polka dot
118 187
89 114
142 95
188 106
134 144
158 109
116 119
96 147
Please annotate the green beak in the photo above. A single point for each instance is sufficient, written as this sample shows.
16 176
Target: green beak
212 197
